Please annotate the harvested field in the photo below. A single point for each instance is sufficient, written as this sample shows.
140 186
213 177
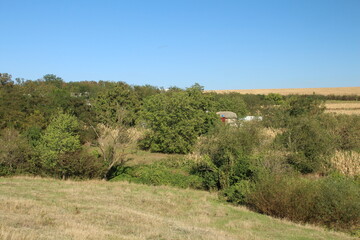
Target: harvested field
343 107
299 91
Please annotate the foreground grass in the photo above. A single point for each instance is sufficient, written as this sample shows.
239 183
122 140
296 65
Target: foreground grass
35 208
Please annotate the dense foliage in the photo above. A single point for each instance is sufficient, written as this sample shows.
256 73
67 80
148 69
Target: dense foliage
175 119
282 166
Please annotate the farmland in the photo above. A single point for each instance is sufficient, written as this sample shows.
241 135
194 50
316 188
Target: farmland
332 106
40 208
298 91
343 107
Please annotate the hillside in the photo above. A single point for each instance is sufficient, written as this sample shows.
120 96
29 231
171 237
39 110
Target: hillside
36 208
300 91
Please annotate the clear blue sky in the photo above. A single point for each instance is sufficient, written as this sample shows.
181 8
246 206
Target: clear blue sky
223 44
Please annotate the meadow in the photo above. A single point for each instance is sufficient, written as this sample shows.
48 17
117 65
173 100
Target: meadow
44 208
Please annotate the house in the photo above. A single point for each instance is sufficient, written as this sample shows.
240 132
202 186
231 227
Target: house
228 117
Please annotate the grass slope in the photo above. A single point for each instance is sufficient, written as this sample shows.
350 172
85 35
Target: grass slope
36 208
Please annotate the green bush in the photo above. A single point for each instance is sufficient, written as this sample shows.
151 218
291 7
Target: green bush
15 153
227 151
310 144
332 201
347 130
159 173
207 170
79 165
237 193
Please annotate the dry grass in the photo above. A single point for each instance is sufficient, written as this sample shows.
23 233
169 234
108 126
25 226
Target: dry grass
300 91
35 208
347 162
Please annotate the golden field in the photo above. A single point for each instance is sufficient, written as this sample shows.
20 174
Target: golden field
299 91
339 107
343 107
38 208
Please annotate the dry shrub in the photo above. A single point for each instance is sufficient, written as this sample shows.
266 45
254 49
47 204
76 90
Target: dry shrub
347 162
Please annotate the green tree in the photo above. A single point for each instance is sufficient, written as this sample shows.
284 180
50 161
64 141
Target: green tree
118 105
54 80
304 105
5 80
310 144
59 137
274 98
233 102
176 119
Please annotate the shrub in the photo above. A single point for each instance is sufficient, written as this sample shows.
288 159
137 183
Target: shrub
310 144
79 165
15 153
228 150
332 201
237 193
207 170
160 173
347 130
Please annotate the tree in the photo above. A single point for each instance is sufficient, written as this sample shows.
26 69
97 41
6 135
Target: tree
118 105
53 80
233 102
310 144
274 98
5 79
59 137
176 119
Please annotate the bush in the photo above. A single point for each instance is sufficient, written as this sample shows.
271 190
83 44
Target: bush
237 193
310 144
347 130
79 165
228 151
333 201
207 170
15 153
160 173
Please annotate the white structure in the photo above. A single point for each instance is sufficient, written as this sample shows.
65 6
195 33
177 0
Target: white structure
252 118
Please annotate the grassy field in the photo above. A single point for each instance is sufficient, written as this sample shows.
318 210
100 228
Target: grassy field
35 208
300 91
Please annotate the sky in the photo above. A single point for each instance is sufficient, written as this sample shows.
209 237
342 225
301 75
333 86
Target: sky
223 44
